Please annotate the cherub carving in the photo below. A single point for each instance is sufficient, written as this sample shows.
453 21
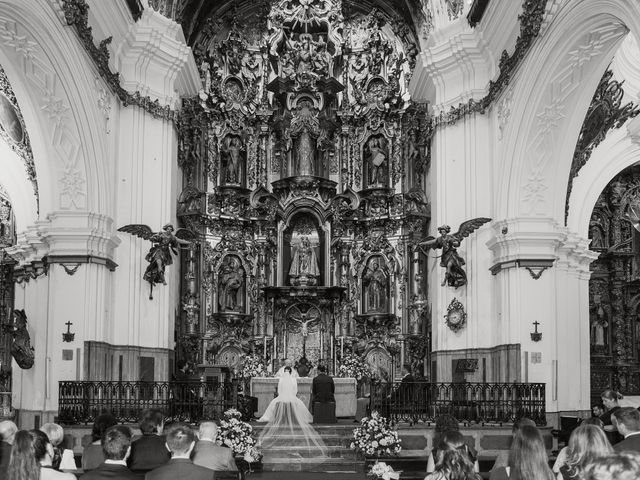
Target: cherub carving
455 275
164 243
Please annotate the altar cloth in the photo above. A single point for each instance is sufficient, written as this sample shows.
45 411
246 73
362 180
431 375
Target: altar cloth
264 388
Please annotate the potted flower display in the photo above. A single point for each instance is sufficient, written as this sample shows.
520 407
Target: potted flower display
383 471
252 365
354 366
375 437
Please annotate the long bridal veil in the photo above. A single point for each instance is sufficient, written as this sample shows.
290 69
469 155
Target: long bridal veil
289 422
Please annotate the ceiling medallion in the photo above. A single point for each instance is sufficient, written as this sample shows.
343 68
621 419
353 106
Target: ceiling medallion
456 317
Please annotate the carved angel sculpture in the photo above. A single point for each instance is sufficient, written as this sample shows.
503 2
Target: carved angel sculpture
21 349
163 244
455 276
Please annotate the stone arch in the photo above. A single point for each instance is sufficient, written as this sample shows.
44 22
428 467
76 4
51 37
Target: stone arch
554 90
617 152
58 96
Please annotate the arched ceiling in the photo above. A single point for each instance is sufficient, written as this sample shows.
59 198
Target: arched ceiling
195 14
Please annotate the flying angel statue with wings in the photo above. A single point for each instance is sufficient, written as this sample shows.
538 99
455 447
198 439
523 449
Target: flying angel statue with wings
455 276
164 243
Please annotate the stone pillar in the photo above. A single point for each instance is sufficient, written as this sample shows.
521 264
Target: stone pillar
154 60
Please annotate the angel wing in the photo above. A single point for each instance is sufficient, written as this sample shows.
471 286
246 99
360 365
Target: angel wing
470 226
137 229
186 234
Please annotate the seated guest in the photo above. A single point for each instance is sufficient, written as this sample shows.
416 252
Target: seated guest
617 466
453 460
31 458
180 442
116 446
92 455
502 460
8 431
207 453
627 420
598 410
561 459
527 458
149 451
63 458
586 443
446 423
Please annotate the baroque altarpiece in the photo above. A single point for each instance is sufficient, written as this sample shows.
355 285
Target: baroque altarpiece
305 167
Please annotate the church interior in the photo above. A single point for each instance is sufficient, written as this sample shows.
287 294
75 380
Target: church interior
447 189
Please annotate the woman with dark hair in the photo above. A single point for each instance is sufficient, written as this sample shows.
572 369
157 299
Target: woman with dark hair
453 459
610 400
31 458
587 442
446 423
92 455
527 458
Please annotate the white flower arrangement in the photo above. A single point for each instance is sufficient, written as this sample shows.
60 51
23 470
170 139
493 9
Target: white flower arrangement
236 434
252 366
375 437
383 471
354 366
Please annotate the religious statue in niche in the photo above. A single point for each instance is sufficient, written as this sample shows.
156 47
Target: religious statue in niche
304 269
234 154
164 243
21 349
455 276
230 285
376 156
599 322
376 283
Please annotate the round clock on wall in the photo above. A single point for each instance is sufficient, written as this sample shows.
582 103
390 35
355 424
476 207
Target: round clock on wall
456 317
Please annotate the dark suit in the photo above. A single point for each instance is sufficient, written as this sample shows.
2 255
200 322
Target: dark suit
148 452
211 455
107 470
180 468
5 455
323 389
629 444
405 390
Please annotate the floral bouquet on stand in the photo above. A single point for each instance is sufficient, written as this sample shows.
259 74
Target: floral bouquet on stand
375 437
354 366
252 365
383 471
237 435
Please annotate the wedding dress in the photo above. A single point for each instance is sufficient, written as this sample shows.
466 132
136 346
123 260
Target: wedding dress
289 421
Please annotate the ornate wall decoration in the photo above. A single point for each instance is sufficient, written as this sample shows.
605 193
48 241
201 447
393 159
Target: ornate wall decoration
614 295
302 144
456 317
605 113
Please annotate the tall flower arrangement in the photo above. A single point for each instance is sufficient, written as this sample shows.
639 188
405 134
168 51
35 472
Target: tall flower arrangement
354 366
236 434
375 437
252 366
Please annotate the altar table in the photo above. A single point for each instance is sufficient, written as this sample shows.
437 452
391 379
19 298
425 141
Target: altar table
264 388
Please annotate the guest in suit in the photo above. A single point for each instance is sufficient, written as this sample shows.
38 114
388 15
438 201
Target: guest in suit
31 457
180 442
149 451
207 453
8 431
405 390
323 388
116 446
92 455
627 419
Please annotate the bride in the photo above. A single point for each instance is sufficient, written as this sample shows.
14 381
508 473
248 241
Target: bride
289 421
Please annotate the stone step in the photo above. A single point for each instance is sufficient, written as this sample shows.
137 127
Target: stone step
289 464
303 452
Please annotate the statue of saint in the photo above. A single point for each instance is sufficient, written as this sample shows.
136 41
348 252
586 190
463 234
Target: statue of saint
234 152
305 262
375 280
230 282
305 154
377 157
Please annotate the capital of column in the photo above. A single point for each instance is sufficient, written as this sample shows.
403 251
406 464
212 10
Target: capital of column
72 237
455 66
155 60
538 243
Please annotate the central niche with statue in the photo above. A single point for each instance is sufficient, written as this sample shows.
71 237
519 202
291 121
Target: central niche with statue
305 165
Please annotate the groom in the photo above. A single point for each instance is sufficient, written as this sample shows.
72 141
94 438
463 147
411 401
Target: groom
322 388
